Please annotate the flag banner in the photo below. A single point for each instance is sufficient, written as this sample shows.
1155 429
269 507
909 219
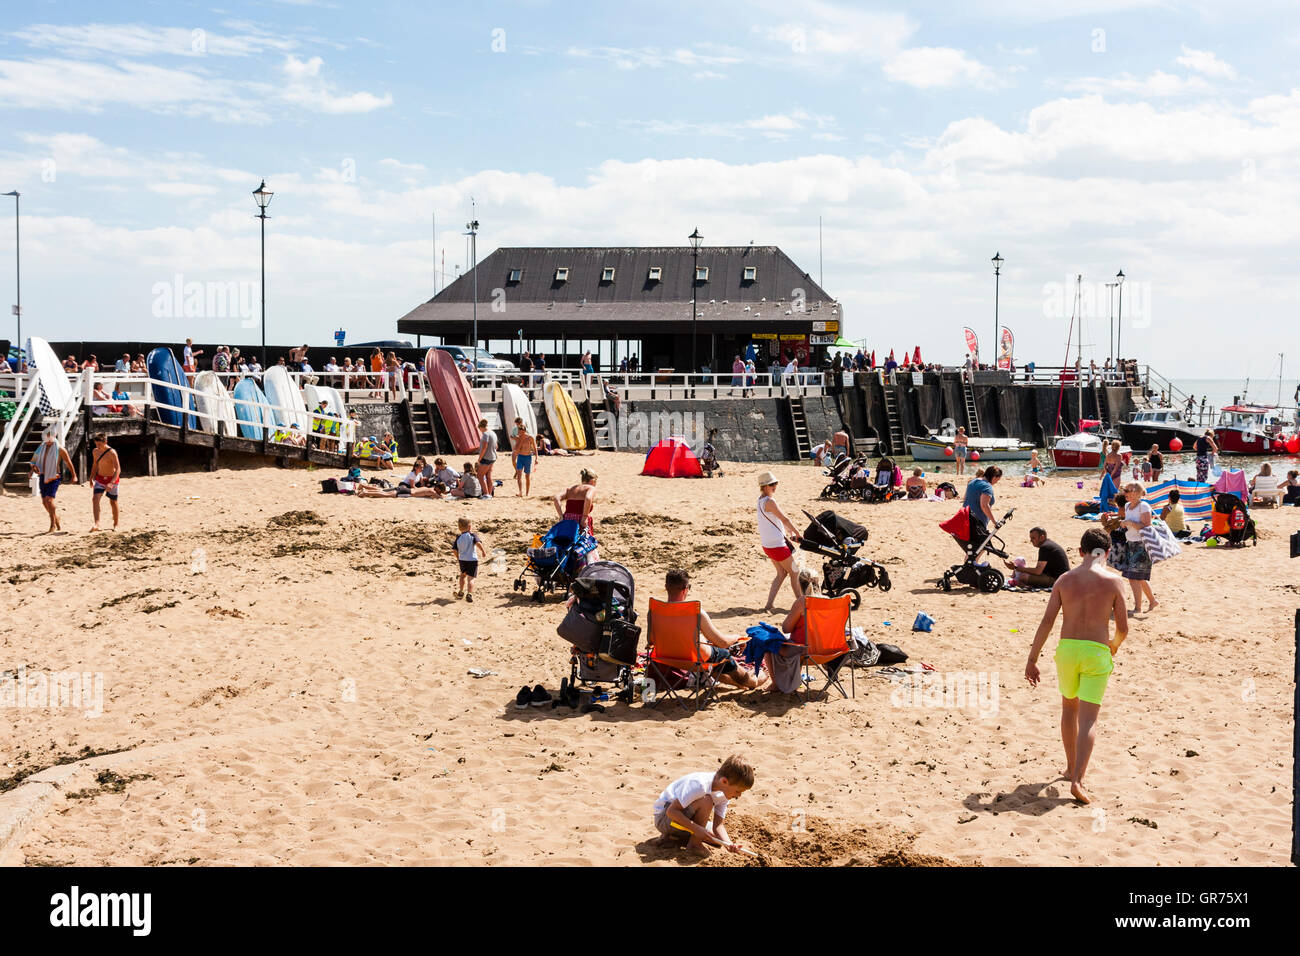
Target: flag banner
1006 349
972 343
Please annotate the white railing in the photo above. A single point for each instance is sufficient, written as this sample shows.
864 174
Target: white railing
16 427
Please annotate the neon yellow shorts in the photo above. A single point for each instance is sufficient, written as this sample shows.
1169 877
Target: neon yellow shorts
1082 669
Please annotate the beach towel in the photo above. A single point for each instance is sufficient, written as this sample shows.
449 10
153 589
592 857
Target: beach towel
763 639
46 461
1233 482
1106 497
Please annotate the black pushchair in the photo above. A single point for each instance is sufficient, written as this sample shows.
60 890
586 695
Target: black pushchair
843 572
1231 522
555 558
601 627
971 572
848 479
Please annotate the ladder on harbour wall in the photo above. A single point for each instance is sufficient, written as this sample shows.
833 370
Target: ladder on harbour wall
419 419
604 428
802 444
972 414
896 446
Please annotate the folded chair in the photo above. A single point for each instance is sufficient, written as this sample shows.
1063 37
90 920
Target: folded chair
826 624
673 633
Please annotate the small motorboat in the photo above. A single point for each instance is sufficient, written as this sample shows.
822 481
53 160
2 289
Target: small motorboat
934 448
1253 429
1086 448
1158 426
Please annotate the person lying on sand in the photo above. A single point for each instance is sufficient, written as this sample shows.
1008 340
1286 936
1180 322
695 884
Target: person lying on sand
401 491
692 808
714 646
1088 596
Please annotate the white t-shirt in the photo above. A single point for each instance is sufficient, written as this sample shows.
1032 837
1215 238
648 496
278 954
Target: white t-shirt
465 546
770 532
687 790
1135 513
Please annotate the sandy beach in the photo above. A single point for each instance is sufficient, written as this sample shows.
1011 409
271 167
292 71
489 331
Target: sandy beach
286 681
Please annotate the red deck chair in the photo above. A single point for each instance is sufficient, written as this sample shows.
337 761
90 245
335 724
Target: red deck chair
826 624
673 633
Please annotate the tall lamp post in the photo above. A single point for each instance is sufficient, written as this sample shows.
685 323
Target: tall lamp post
18 274
263 197
1119 339
997 289
472 231
695 239
1110 311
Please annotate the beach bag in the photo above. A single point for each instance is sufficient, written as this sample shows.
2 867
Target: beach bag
890 654
620 645
581 630
958 525
329 486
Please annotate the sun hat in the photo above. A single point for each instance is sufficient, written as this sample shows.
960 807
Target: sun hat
766 478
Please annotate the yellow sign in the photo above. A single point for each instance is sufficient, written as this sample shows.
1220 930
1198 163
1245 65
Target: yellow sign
826 326
789 338
764 335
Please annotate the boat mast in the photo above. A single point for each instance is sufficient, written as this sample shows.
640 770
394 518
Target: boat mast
1078 310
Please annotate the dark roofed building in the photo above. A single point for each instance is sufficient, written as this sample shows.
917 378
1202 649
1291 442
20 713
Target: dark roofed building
637 301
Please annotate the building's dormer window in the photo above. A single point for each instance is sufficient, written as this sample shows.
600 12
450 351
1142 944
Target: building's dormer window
701 273
516 275
607 274
751 273
562 274
656 273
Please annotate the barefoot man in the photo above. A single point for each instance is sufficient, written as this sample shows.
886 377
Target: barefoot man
1089 596
47 465
105 477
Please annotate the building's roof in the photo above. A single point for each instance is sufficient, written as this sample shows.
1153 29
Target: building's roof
776 287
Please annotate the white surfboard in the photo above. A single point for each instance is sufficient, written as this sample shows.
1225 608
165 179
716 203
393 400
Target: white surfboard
55 388
290 408
517 405
214 400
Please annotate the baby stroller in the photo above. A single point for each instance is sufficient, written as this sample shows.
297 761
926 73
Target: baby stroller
601 627
555 558
848 479
1231 522
971 572
838 540
708 458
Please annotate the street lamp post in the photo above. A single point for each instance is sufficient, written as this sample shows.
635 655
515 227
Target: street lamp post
1119 339
1110 312
18 274
997 283
263 197
695 239
472 227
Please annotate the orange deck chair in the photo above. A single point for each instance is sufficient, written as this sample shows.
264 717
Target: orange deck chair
826 624
673 633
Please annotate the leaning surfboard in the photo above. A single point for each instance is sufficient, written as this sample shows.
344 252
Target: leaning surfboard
455 400
566 423
165 374
517 405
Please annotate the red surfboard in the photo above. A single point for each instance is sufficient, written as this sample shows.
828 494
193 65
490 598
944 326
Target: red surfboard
455 400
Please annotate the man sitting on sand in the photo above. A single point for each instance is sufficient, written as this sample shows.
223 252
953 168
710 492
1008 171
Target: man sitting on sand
693 808
1051 564
1088 596
714 646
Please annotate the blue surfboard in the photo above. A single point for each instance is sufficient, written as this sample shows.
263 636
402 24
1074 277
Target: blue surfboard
167 372
250 408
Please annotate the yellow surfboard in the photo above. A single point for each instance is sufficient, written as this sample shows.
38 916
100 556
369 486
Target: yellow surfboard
565 421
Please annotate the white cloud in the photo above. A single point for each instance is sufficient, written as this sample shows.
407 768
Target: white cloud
933 67
627 58
140 40
824 29
1204 61
1158 85
307 88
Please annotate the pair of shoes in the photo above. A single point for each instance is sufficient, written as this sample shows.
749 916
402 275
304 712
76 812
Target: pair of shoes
540 696
469 598
523 698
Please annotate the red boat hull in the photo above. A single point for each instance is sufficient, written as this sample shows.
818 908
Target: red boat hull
1066 458
1233 441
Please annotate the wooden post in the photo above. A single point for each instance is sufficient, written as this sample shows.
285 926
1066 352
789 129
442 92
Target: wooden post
151 457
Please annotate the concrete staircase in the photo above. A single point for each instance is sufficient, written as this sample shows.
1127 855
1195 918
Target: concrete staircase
604 428
15 480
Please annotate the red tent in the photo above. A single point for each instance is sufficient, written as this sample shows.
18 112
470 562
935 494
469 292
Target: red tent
672 458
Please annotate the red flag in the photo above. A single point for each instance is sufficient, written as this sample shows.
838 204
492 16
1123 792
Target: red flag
972 343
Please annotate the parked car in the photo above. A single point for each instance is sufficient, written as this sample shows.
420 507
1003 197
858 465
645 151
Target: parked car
482 359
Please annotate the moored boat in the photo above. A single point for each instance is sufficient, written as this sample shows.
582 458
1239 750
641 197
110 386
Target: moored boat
1253 429
1158 426
933 448
1086 448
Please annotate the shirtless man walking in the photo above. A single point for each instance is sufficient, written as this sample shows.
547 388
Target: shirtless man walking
105 477
1089 596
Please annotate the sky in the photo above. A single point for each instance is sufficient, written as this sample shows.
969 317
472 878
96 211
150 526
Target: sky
1073 137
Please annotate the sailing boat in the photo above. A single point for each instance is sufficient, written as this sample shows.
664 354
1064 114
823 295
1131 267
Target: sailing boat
1086 448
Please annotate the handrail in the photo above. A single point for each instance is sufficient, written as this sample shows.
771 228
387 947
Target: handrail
17 425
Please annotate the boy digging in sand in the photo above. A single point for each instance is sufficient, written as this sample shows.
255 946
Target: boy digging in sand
1089 596
692 807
